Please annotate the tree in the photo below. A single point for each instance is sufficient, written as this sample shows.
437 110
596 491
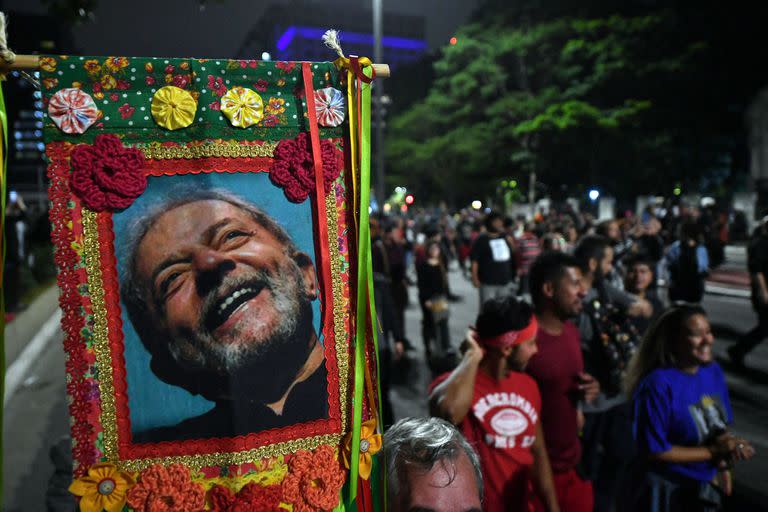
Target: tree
615 101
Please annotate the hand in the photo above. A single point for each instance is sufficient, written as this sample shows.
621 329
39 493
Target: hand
475 282
723 447
471 348
399 350
588 386
641 307
580 420
428 304
744 450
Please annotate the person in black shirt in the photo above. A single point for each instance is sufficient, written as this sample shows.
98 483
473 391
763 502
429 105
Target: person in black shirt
221 298
433 298
493 262
757 263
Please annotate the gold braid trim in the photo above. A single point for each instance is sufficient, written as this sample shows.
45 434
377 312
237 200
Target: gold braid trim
100 333
196 462
339 313
156 151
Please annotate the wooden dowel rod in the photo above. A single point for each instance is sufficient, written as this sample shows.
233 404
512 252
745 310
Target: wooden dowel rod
22 62
382 70
33 61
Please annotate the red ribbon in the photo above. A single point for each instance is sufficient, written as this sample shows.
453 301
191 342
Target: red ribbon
322 223
354 61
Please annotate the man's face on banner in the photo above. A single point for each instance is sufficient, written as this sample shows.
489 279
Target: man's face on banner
223 287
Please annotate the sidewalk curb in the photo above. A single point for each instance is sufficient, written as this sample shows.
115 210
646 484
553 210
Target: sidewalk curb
16 373
714 289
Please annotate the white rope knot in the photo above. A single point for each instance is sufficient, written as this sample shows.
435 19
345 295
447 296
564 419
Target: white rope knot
5 53
331 40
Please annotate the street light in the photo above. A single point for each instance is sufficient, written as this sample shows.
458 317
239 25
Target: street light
477 204
266 56
594 194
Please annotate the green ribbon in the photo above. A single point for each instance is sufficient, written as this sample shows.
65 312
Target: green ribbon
364 282
3 167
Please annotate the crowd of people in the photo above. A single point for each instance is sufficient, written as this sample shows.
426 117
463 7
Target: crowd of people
582 385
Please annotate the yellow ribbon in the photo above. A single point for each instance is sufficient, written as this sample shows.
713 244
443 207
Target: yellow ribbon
173 108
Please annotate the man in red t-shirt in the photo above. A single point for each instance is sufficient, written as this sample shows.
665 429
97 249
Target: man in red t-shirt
558 368
496 406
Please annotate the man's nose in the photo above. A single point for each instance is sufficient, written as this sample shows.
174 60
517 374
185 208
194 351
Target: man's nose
210 267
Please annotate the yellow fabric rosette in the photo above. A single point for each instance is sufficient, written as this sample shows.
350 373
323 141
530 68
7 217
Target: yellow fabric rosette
173 108
243 107
370 444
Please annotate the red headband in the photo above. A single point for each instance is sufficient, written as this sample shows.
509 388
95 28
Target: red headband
512 338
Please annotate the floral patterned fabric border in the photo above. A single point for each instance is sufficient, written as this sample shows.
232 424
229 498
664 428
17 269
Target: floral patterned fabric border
122 90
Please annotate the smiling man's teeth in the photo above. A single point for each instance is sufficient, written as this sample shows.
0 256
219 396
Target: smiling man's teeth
229 300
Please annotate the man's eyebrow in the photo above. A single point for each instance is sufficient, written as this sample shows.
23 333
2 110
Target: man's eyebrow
210 232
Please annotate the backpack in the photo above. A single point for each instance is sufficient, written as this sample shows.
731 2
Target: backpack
686 282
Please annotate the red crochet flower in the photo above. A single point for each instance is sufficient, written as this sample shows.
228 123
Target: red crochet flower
251 498
294 170
166 489
107 176
314 480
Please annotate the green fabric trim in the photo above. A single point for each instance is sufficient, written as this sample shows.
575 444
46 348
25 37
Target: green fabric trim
122 86
364 282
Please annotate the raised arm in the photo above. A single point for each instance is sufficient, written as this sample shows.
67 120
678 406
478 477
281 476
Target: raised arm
452 398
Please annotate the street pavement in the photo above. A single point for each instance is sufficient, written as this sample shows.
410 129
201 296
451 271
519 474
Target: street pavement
36 412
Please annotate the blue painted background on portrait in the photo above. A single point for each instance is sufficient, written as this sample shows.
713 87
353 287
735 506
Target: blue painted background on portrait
152 402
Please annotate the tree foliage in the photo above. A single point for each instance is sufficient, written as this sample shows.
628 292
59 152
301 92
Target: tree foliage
607 101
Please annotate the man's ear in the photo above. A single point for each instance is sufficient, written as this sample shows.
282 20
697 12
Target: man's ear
549 289
309 277
593 263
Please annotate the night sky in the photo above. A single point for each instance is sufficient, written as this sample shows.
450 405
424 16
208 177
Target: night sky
180 28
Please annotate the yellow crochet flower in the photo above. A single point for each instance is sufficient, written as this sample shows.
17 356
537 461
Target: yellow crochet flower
243 107
173 108
103 488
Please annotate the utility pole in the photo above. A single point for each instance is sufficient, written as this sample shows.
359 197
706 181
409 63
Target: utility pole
378 93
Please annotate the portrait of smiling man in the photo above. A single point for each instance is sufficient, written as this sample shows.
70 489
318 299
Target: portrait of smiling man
221 298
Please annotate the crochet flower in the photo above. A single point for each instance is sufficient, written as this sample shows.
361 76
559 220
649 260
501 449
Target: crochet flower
329 106
173 108
72 110
107 176
103 488
251 498
242 106
370 443
293 168
166 489
314 480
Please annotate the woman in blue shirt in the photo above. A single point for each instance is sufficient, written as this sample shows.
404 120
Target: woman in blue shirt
681 415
